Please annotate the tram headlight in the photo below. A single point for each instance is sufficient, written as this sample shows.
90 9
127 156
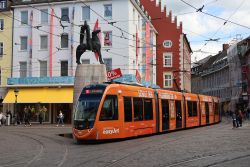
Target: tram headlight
119 91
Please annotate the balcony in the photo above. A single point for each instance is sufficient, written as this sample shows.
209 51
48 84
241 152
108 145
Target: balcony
41 80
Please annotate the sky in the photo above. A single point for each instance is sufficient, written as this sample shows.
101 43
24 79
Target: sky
200 27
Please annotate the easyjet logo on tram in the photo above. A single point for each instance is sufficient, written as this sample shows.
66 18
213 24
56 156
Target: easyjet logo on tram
110 131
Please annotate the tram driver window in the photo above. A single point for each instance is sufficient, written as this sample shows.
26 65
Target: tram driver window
138 109
109 109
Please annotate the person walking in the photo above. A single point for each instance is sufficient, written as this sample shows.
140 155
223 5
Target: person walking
1 118
40 115
234 120
248 113
60 119
26 117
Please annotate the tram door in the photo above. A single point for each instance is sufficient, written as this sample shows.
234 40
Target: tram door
165 114
207 112
178 114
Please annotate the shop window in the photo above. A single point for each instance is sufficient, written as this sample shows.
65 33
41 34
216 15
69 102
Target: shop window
138 109
127 109
109 109
64 68
148 109
24 17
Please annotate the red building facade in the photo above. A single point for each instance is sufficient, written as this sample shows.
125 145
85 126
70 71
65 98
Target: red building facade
173 60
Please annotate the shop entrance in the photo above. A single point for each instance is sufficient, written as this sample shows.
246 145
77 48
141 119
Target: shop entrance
66 109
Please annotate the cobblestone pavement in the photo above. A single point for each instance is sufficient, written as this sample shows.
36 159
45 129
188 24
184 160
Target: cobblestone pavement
218 146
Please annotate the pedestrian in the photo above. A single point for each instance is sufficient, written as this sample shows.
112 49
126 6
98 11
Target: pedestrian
240 117
1 118
40 115
26 117
60 118
9 114
248 113
234 120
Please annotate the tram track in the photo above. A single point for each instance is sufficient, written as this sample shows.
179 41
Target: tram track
57 141
129 154
28 163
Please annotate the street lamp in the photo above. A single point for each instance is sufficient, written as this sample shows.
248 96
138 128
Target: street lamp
16 91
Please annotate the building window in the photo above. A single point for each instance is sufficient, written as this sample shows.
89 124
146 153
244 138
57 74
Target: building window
24 43
107 38
167 80
1 49
85 61
1 24
85 13
109 109
44 16
64 68
3 4
167 57
23 69
64 41
43 68
65 14
108 63
24 17
108 11
43 42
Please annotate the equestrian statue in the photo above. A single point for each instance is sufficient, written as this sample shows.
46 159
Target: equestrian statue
92 44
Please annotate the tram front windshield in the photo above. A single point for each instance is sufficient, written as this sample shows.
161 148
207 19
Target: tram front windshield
86 110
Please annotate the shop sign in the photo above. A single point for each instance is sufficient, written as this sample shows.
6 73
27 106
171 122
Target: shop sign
113 74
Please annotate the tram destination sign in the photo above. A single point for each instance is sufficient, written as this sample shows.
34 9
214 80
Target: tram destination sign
113 74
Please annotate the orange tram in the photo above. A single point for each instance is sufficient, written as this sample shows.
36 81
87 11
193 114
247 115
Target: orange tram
115 111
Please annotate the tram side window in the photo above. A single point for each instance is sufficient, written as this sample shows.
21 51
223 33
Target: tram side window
216 111
178 109
127 109
138 109
148 109
192 108
109 109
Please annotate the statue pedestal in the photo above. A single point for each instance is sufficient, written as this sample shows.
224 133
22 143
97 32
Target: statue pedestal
88 74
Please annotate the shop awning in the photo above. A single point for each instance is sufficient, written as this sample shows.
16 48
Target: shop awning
41 95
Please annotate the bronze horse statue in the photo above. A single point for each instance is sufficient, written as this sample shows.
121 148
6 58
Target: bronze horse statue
92 44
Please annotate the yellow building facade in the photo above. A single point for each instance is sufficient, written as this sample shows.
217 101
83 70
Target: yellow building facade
5 46
6 23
